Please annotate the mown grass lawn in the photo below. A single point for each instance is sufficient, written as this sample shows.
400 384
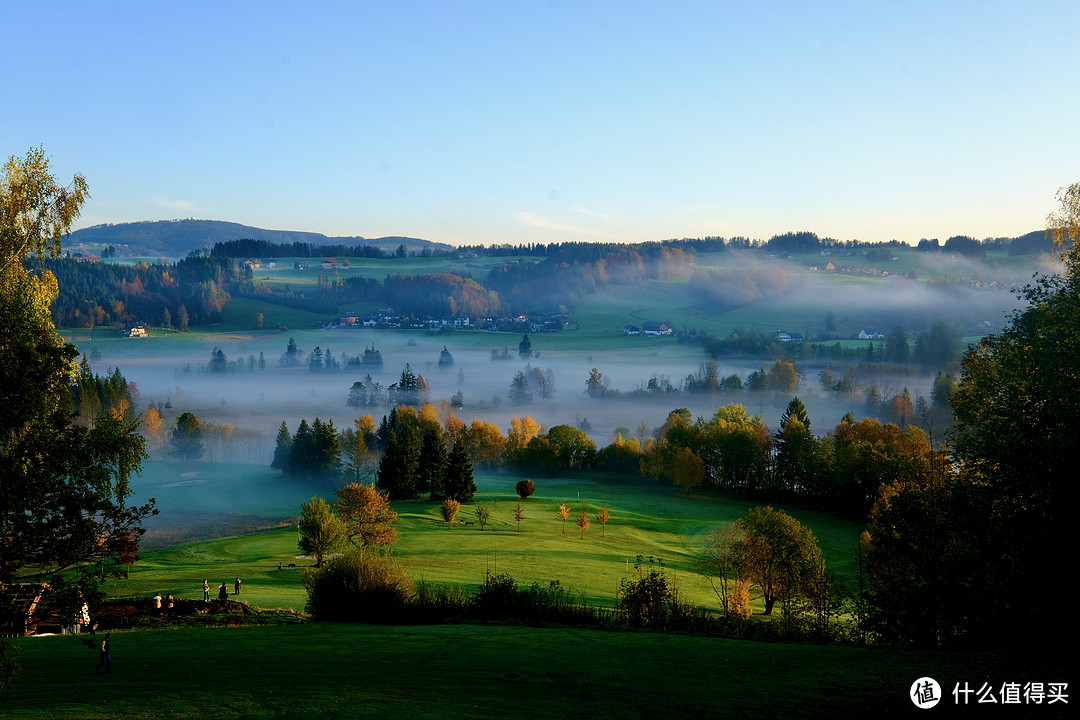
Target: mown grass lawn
327 670
648 519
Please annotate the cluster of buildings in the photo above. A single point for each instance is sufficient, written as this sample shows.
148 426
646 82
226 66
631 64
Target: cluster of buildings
388 318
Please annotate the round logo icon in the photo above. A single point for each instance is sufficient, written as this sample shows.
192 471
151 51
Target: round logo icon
925 693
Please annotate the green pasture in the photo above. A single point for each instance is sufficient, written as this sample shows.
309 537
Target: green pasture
321 670
240 315
646 519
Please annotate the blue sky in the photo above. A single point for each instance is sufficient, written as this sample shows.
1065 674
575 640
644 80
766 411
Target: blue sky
520 121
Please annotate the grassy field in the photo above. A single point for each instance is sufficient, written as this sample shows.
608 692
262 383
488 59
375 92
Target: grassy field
647 519
458 671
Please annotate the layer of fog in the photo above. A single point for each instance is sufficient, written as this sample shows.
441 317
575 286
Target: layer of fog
172 370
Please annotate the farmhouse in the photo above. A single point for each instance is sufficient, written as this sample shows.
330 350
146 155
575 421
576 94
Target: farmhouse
135 330
329 263
657 328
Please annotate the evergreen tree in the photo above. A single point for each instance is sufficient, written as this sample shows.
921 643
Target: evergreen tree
400 464
283 448
326 449
433 459
187 438
303 450
460 485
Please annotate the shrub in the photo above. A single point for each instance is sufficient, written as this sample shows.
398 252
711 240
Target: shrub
450 509
357 586
650 600
497 597
525 488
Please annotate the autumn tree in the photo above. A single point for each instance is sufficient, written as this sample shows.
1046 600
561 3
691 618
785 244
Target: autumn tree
321 530
152 428
367 515
563 513
485 443
521 431
449 509
777 553
519 514
602 517
583 523
359 455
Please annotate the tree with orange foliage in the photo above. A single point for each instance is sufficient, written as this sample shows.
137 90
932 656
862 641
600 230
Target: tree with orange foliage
367 515
583 523
562 513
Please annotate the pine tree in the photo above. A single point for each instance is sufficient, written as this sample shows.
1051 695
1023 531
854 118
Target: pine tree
302 453
433 459
283 448
459 473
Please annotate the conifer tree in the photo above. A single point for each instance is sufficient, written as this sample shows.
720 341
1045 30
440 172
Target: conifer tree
283 448
459 473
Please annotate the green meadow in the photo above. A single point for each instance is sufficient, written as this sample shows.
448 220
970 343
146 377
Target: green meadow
321 670
657 521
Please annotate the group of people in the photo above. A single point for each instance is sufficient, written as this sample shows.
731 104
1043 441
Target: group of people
223 590
170 602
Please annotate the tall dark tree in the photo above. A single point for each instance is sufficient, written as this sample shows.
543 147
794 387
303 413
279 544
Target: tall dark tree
326 449
460 484
399 468
186 442
282 448
896 346
525 347
303 449
433 459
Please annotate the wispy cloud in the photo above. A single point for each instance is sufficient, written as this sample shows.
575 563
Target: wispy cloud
185 205
537 221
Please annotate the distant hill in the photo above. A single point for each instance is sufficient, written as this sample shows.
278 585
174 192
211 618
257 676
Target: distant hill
176 238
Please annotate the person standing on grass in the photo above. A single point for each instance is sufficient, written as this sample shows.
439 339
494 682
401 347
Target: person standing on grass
206 590
106 659
236 587
223 592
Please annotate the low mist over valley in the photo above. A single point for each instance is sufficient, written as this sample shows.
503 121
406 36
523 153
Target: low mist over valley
732 312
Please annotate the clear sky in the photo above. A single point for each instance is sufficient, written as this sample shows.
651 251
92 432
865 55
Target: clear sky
518 121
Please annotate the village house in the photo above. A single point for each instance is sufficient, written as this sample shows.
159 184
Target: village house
657 328
135 330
